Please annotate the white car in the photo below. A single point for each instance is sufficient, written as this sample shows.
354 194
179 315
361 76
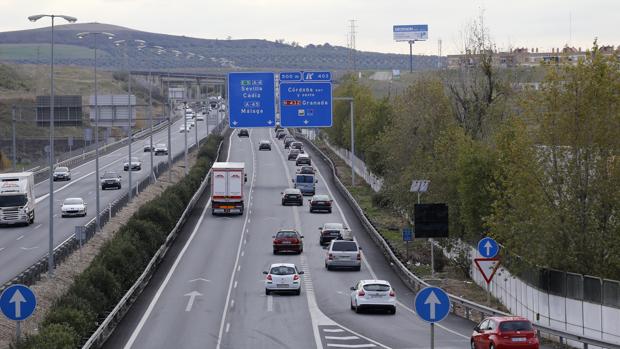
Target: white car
73 207
200 117
182 128
136 164
373 295
283 277
160 149
191 124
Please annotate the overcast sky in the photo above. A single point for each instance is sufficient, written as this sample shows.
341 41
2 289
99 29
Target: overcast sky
523 23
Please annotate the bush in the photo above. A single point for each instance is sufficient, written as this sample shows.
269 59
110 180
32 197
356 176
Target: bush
54 336
77 319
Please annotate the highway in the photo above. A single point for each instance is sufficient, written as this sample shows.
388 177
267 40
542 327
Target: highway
209 291
21 246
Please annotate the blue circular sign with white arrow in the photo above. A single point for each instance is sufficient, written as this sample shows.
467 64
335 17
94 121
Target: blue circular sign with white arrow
488 248
18 302
432 304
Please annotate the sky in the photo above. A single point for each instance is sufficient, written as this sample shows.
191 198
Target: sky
542 24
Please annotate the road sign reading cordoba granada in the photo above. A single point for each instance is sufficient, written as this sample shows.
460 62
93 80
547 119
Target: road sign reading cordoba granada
306 99
415 32
252 100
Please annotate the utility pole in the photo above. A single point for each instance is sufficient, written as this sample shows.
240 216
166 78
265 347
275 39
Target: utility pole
352 33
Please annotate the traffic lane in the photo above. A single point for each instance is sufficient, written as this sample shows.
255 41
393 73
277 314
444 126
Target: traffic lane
333 288
21 246
129 322
280 320
208 257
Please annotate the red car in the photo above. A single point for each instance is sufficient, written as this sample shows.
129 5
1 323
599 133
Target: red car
511 332
288 241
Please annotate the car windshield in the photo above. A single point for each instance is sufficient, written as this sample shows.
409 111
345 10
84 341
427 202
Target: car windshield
160 145
73 201
305 179
13 200
320 198
291 192
62 169
134 159
110 175
377 287
286 234
282 270
512 326
344 246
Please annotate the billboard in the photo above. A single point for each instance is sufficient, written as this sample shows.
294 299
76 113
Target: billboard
431 220
113 110
67 110
414 32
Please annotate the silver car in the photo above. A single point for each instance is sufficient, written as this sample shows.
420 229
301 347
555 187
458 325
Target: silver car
343 254
62 173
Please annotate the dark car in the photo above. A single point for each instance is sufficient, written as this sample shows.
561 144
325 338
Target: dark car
62 173
281 134
110 179
333 231
504 332
292 196
287 141
243 133
305 170
321 203
264 145
303 159
288 241
292 154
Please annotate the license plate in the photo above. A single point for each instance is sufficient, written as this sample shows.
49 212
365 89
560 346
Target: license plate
282 285
344 257
286 242
518 339
227 207
375 296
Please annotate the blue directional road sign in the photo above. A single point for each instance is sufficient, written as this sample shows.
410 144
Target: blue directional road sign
252 100
407 234
488 248
432 304
17 302
305 99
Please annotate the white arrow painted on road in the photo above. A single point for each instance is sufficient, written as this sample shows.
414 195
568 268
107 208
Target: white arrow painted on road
18 299
488 247
432 301
192 296
199 279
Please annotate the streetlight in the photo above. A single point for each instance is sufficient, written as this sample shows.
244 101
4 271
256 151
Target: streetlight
109 36
159 51
50 257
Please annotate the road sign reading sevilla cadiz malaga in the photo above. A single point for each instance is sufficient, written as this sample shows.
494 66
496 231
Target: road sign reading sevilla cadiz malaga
251 100
18 302
432 304
306 99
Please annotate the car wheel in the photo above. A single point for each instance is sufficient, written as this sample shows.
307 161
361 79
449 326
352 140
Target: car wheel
301 250
472 345
102 188
275 251
298 292
283 203
267 292
352 306
119 187
300 204
392 311
358 268
357 309
491 346
329 211
311 210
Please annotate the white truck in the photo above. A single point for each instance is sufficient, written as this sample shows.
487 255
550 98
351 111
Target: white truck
17 199
227 187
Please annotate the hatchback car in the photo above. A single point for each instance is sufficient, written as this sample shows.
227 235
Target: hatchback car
136 164
147 148
243 133
281 134
62 173
283 277
320 202
305 170
333 231
373 295
303 159
504 332
343 254
292 196
183 129
297 145
287 141
73 207
292 154
264 145
288 241
110 180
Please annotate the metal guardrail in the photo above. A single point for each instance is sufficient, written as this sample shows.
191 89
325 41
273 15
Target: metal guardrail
415 283
98 338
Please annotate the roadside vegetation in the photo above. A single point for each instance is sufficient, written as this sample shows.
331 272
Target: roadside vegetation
537 169
119 263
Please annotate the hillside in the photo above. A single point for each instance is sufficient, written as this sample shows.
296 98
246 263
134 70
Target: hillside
32 46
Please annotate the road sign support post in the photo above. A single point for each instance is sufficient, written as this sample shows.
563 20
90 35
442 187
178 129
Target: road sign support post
432 335
432 305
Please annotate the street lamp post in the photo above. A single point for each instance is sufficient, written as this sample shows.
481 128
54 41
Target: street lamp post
50 257
98 205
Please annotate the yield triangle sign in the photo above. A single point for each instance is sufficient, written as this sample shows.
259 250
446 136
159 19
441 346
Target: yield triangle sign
488 267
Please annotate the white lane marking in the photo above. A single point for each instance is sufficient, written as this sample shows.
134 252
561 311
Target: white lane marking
235 285
241 239
2 249
350 345
232 304
333 330
146 315
19 238
192 296
38 226
227 327
199 279
343 338
367 265
242 253
269 303
239 267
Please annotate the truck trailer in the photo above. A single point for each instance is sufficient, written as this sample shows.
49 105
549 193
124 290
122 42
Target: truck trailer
17 199
227 182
